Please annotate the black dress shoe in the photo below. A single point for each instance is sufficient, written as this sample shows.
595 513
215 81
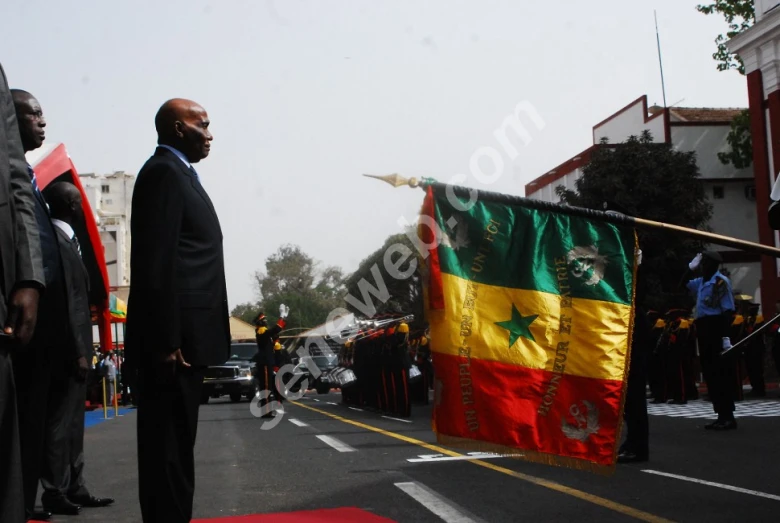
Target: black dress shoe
90 501
62 507
39 516
631 457
725 425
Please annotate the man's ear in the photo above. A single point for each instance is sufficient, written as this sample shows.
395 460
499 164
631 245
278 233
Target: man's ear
179 127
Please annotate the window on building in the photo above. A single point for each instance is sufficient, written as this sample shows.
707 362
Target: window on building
750 192
718 192
105 189
108 201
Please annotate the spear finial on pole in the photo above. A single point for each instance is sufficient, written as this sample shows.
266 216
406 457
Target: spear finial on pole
396 180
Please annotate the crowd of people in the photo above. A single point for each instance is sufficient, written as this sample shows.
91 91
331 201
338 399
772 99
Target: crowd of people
177 321
392 369
45 353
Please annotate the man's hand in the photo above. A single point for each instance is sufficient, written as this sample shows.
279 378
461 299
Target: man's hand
176 356
22 314
82 368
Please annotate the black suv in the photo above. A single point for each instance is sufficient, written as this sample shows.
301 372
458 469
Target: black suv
234 377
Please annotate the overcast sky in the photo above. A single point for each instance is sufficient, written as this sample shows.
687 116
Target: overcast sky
305 96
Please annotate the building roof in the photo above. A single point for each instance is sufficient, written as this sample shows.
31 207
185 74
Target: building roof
703 114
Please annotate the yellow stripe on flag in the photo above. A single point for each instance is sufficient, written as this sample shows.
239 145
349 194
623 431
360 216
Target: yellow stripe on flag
596 333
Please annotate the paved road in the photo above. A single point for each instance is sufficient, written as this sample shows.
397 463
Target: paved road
323 454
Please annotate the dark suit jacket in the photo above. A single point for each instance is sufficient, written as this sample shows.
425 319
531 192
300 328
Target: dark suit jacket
20 248
178 295
78 343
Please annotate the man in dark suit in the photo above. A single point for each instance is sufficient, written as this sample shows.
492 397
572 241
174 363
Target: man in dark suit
21 282
62 475
33 367
177 312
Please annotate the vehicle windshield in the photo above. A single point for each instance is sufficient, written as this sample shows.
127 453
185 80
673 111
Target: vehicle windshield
242 351
323 362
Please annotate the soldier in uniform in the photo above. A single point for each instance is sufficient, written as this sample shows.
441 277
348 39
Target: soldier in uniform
264 358
714 314
281 358
399 371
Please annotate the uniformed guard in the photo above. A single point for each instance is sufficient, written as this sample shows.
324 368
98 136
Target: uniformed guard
399 371
714 314
264 358
281 358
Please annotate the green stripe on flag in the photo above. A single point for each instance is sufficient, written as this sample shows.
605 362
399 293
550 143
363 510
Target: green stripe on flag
522 248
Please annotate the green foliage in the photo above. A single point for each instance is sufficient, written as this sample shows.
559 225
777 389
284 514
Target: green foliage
739 138
652 181
740 15
292 277
404 295
246 311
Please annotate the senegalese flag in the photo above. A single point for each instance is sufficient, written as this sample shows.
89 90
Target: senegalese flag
531 314
117 308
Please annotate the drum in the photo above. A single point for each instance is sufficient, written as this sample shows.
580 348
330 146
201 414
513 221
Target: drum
343 378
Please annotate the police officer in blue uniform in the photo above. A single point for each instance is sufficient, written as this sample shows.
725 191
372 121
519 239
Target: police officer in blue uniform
715 310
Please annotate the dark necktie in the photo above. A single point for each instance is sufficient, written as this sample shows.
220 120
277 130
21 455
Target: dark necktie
194 173
33 178
76 243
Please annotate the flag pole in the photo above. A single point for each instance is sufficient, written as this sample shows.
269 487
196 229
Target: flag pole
397 180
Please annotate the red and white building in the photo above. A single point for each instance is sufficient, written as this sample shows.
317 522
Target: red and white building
731 191
759 49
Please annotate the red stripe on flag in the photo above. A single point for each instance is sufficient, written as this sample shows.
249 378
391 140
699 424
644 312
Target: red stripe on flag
435 287
528 409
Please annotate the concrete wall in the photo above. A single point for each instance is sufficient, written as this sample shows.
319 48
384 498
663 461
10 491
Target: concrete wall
707 142
547 193
627 123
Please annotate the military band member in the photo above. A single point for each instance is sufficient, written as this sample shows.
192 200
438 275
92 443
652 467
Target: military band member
264 358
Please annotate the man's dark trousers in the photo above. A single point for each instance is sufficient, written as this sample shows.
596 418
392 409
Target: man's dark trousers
168 402
11 492
61 475
719 372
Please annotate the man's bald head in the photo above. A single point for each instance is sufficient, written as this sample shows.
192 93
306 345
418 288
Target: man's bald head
64 201
29 116
184 125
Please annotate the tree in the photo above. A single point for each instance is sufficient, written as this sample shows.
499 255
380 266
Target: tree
381 271
293 277
246 311
740 141
653 181
740 15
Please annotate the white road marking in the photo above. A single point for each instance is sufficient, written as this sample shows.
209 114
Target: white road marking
336 444
298 422
357 409
426 458
315 399
331 403
433 502
397 419
718 485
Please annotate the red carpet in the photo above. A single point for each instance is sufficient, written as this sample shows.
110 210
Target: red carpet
336 515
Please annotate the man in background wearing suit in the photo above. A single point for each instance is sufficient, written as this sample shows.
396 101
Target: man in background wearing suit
33 367
177 312
21 282
62 475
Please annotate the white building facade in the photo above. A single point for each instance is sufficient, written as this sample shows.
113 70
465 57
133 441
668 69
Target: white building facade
110 195
703 131
759 49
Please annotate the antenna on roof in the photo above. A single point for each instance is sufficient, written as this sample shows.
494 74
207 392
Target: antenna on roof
660 61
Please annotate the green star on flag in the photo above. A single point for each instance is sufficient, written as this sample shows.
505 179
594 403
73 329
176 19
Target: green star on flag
518 326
